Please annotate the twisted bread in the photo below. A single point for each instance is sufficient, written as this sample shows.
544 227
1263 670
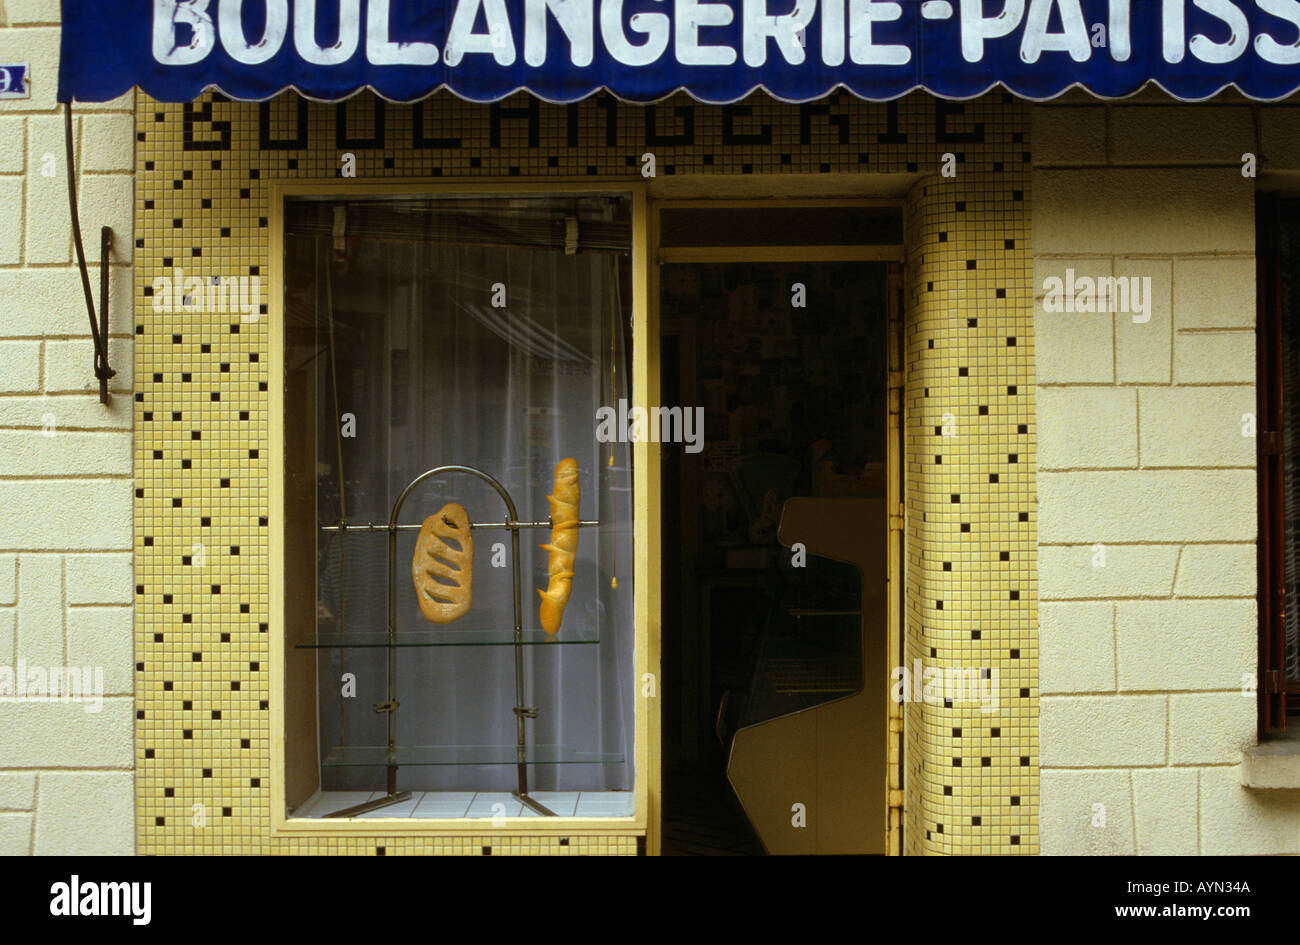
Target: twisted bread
563 546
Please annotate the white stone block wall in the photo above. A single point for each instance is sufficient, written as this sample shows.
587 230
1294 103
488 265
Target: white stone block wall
1146 483
66 587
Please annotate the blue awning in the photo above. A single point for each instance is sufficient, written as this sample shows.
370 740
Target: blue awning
644 50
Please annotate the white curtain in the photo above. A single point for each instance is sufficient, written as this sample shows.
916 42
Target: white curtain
464 333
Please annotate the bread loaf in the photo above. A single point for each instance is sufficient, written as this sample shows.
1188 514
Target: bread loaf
564 544
443 573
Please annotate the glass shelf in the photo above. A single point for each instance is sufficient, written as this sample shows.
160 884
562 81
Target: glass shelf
379 638
378 755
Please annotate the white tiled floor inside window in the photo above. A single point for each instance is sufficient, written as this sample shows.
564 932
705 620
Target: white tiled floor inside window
443 805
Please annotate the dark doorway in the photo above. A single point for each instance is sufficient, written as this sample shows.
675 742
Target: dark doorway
788 360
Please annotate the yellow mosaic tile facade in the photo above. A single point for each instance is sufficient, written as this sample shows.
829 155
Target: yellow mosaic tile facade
202 423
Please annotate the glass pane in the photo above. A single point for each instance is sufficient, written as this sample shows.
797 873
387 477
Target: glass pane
480 332
781 226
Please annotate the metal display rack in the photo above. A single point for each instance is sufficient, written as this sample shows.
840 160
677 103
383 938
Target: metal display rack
390 706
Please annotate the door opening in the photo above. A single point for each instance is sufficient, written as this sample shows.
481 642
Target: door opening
790 361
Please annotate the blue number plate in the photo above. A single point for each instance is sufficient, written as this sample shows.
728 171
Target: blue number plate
13 81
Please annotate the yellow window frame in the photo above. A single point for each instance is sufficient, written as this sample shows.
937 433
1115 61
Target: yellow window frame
646 527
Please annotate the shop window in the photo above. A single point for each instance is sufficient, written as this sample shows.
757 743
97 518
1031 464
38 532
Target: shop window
1278 436
481 333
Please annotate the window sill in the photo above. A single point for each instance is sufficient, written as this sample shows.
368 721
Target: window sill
1273 764
477 817
470 805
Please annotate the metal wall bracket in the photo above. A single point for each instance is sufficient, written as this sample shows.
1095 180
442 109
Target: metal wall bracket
98 326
